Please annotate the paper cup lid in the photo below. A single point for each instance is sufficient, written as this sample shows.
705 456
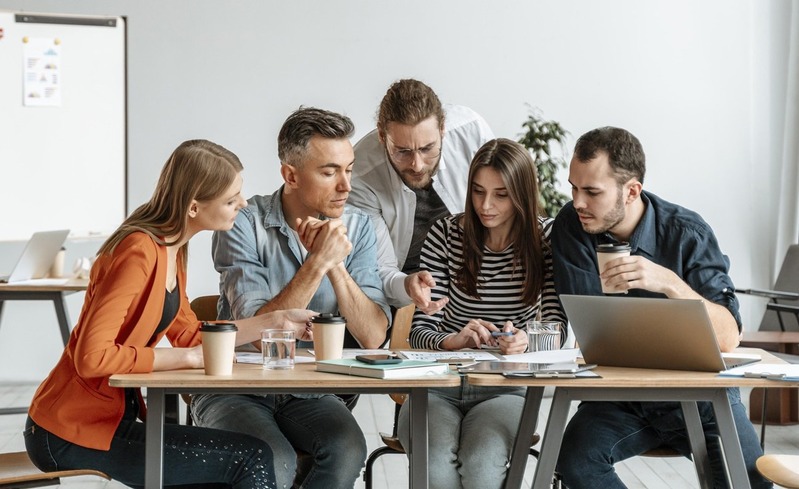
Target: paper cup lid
612 247
218 327
328 318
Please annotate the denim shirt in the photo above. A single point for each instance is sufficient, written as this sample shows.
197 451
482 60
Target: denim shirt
261 254
669 235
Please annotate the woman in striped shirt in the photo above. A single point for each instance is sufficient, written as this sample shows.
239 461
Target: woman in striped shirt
494 263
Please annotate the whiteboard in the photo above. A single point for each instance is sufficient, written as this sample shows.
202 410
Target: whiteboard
63 160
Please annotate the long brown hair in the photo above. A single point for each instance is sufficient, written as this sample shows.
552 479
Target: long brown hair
517 169
197 170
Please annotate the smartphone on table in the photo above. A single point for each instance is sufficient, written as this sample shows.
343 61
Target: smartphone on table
378 359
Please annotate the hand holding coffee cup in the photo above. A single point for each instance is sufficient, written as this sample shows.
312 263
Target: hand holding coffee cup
219 343
606 253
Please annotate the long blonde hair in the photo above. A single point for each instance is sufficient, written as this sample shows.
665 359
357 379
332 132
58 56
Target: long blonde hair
197 170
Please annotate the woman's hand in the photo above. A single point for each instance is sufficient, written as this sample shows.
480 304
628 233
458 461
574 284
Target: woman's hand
515 343
297 320
175 358
476 333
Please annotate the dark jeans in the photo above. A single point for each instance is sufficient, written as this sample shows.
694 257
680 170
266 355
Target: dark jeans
193 457
603 433
319 425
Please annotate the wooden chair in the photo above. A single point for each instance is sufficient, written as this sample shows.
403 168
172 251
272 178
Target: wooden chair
780 469
17 471
204 307
400 331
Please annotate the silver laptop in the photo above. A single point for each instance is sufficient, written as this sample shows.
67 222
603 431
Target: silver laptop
671 334
38 256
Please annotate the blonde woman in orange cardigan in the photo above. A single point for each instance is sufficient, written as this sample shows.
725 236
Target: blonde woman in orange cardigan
136 295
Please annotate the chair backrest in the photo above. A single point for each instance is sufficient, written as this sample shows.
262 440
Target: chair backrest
401 328
400 331
787 281
204 307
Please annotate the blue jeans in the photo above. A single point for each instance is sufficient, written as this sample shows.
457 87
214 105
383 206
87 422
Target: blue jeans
321 426
193 457
471 433
603 433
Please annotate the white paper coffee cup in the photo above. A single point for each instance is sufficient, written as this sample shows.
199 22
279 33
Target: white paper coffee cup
328 336
606 253
219 344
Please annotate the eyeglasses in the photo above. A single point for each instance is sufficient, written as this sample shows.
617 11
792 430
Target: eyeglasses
406 156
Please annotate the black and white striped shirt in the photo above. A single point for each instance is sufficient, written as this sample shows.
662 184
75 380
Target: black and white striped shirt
500 287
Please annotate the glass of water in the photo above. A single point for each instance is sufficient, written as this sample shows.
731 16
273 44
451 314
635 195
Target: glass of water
544 335
277 348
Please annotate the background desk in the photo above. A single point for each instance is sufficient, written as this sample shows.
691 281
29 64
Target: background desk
37 292
630 384
253 379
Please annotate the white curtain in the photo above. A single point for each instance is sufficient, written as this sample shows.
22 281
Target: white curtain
788 215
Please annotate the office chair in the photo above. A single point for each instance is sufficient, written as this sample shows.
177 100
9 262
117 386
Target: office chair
779 333
780 469
785 291
400 331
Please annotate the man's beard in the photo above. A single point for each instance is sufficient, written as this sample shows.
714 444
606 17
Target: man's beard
412 180
611 219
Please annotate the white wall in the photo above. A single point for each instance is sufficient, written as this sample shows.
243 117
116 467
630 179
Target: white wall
700 83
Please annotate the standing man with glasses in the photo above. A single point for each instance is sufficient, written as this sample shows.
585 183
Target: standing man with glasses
410 172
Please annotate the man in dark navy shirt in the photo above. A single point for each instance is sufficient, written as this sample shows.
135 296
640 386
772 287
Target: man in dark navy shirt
674 254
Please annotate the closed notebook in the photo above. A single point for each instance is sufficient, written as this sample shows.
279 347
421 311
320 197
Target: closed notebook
407 368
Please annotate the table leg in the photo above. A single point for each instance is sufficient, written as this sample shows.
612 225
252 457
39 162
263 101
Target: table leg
154 441
730 443
419 439
553 437
521 445
696 435
63 317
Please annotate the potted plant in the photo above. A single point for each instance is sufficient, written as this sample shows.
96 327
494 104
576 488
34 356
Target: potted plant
538 138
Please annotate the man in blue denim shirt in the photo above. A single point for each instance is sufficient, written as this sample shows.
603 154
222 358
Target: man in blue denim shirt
674 254
301 247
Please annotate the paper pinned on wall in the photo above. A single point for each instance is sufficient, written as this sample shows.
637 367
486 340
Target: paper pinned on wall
42 72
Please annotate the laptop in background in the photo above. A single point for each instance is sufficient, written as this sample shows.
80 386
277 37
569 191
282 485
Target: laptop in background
670 334
38 256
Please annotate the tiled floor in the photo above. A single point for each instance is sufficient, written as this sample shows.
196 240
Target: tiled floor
375 414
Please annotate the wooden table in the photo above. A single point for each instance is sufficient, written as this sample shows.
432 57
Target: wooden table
630 384
253 379
42 292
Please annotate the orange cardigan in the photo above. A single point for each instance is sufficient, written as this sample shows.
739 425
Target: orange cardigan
122 308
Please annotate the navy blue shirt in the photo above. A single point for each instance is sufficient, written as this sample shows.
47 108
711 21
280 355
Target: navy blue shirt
669 235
